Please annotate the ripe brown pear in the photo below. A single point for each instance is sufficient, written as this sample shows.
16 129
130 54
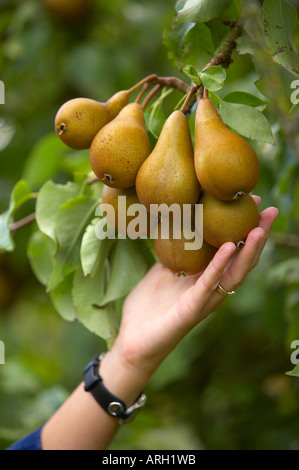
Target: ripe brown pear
225 164
228 221
70 11
78 120
111 196
173 254
168 176
119 148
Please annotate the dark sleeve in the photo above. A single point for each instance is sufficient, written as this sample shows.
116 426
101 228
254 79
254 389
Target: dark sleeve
30 442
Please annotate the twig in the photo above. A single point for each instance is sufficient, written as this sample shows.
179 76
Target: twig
21 223
147 79
191 92
152 93
144 89
222 58
174 82
154 79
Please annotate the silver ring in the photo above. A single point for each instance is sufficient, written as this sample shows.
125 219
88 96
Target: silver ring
225 292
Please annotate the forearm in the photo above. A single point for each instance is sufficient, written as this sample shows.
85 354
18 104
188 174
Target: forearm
81 424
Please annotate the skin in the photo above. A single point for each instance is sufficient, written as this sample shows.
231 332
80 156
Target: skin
157 314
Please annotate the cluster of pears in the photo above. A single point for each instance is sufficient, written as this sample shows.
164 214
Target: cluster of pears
218 173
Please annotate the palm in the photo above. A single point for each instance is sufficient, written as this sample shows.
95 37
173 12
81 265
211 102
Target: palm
160 288
164 307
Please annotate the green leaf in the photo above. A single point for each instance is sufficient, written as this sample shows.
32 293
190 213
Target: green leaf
62 299
247 121
244 45
198 47
243 97
127 269
40 252
213 78
220 30
200 11
21 193
154 115
294 372
6 240
70 223
277 78
51 197
87 294
189 43
45 160
280 21
191 73
173 40
93 250
284 273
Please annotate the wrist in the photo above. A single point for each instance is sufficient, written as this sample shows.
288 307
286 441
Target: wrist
121 378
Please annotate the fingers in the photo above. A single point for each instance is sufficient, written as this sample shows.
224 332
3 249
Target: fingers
243 262
267 219
190 308
210 278
248 257
257 199
228 268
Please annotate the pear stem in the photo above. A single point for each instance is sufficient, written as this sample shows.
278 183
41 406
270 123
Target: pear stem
144 89
147 79
190 93
150 95
205 93
172 82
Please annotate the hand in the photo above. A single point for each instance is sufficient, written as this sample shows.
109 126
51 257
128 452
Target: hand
163 308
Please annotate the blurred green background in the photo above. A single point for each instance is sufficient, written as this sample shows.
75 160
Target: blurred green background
224 387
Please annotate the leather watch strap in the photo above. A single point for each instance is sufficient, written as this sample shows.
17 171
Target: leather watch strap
113 405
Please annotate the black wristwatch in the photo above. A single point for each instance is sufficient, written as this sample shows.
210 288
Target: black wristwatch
110 403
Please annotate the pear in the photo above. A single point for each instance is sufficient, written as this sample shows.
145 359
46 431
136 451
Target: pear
228 221
225 164
111 196
78 120
119 148
173 254
168 176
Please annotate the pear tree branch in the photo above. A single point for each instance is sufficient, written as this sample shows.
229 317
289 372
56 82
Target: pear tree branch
222 58
154 79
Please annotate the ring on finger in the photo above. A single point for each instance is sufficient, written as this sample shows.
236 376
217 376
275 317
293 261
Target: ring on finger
224 292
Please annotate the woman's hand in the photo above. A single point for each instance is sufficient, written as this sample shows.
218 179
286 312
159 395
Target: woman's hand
156 315
163 308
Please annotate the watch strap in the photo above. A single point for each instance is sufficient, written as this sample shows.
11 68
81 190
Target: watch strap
113 405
